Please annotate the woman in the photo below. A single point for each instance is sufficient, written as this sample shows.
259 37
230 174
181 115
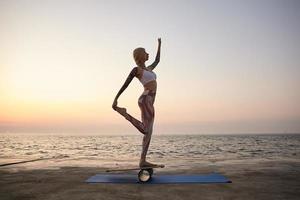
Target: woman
148 78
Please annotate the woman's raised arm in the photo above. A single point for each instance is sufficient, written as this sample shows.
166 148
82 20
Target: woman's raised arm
157 58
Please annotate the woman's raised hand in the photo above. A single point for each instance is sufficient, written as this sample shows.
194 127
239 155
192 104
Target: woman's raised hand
114 105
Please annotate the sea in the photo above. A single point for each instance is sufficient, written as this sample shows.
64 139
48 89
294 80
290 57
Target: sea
176 151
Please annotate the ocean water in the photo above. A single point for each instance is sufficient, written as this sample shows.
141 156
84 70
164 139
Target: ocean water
180 151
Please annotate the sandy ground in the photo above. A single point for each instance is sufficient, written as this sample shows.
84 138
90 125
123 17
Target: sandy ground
250 180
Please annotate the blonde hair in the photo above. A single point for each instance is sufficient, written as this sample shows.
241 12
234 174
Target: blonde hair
138 55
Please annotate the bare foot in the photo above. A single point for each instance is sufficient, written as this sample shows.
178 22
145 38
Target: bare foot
147 164
123 112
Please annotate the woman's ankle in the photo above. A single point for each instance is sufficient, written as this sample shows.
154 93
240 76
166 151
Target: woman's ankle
122 111
142 162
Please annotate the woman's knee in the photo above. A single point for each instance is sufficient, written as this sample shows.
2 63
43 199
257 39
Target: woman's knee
145 130
148 130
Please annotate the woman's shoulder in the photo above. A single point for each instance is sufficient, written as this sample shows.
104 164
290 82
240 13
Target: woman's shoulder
136 71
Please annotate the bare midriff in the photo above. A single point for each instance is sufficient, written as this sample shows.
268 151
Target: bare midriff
150 86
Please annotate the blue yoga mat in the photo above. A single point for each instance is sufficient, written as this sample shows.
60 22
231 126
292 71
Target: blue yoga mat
158 179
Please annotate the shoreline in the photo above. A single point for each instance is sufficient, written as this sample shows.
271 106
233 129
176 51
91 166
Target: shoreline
277 179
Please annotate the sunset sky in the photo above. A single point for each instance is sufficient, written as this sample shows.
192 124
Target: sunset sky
226 66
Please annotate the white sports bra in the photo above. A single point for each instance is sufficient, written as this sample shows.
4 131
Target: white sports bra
147 77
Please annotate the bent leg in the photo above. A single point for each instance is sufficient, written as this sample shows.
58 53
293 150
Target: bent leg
136 123
147 111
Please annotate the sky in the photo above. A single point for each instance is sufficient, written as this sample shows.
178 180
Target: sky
227 67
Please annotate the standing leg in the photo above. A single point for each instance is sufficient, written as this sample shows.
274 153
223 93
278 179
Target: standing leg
145 146
147 109
146 126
